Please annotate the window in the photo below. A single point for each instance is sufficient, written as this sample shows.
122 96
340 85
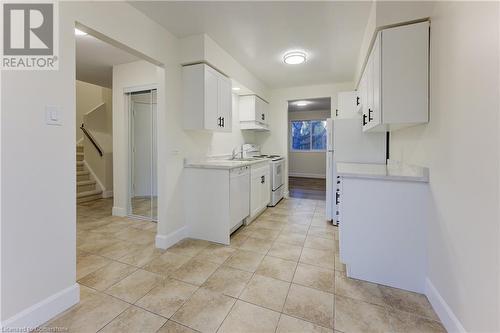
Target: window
308 135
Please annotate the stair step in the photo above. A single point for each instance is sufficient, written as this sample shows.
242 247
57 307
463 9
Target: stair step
82 175
79 157
79 163
86 182
88 193
89 198
79 148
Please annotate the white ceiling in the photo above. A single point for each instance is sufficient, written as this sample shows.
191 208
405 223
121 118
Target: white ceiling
313 104
95 60
257 34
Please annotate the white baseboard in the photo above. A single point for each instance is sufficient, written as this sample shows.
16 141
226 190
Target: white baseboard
444 312
306 175
107 194
286 195
119 211
166 241
44 310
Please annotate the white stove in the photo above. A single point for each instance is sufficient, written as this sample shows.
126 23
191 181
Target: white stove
277 169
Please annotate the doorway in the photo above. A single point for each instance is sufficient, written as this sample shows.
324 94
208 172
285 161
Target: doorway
307 149
143 192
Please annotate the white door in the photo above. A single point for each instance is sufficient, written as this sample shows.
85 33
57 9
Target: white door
255 194
265 194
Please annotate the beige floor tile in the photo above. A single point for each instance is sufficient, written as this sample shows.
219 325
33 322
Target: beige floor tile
134 286
292 238
267 292
319 243
173 327
409 302
257 245
215 253
107 276
320 258
289 324
93 312
264 233
357 289
166 263
285 251
410 323
109 229
195 271
249 318
321 232
295 228
189 247
137 236
87 263
277 268
119 249
356 316
269 224
167 297
135 319
96 244
237 239
144 225
228 281
310 304
204 311
245 260
339 266
141 256
315 277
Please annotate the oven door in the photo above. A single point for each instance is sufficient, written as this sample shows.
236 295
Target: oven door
277 174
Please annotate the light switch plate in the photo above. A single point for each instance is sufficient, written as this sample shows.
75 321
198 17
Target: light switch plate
53 115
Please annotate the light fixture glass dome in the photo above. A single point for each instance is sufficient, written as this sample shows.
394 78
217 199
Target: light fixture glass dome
294 57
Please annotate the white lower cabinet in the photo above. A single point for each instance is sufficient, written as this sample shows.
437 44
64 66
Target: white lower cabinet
216 202
260 189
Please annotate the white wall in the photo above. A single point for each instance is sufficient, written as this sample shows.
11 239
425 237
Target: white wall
34 267
88 96
460 145
276 140
307 164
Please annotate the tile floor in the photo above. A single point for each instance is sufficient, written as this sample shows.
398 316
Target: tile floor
280 274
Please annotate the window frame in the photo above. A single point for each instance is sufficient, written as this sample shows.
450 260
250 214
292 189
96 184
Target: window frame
290 138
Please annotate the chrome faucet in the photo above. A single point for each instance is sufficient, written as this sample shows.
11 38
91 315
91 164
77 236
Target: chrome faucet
235 152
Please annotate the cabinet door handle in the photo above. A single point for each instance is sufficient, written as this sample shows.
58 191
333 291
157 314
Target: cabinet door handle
337 197
336 112
370 118
263 117
262 179
357 100
364 120
219 121
222 122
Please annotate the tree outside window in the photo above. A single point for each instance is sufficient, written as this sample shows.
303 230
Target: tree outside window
308 135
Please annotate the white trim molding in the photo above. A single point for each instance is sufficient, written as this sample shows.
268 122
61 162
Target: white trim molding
166 241
94 176
107 194
44 310
306 175
118 211
443 310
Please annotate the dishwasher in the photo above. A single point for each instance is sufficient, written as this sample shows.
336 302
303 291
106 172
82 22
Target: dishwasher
239 196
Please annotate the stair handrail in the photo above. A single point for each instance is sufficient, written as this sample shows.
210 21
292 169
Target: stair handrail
92 139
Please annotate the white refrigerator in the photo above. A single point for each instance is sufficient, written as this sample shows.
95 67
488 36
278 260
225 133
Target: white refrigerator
346 142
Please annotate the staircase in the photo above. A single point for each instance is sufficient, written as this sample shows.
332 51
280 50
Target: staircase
86 188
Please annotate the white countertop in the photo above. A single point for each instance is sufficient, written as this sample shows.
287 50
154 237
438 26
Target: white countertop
392 171
221 163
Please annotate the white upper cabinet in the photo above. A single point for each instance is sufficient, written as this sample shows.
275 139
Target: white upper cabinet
346 107
253 112
394 88
207 99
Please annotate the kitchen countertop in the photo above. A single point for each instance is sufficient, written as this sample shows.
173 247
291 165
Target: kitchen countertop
392 171
221 164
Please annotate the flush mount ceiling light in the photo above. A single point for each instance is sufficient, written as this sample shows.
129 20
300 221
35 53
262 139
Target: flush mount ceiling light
78 32
294 57
236 88
301 103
